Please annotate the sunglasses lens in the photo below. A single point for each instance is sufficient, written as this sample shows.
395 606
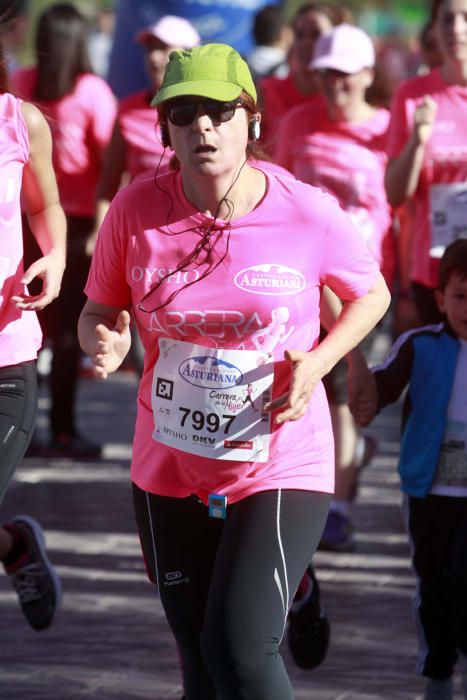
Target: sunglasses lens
183 113
220 111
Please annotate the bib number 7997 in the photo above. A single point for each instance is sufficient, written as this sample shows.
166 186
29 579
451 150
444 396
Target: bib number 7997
209 421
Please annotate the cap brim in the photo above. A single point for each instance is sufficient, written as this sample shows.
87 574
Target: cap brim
213 89
337 64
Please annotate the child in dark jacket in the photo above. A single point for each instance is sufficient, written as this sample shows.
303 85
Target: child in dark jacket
431 362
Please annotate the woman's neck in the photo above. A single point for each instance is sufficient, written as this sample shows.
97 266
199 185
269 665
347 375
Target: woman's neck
226 197
454 73
359 112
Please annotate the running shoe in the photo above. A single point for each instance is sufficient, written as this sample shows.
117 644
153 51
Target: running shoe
338 534
33 577
309 630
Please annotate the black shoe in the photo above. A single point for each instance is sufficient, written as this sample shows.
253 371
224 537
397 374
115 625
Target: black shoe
33 577
309 630
73 447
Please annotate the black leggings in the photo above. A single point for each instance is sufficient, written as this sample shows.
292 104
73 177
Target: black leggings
226 585
59 323
18 408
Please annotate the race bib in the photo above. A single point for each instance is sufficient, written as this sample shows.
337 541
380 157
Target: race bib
209 401
448 215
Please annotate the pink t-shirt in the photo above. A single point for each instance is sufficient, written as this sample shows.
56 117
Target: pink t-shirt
445 158
81 125
139 124
277 95
279 256
347 160
20 333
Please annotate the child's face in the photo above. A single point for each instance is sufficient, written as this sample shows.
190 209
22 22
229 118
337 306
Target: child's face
453 303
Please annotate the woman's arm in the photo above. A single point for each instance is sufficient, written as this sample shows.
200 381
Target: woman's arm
45 215
104 335
353 323
110 180
403 171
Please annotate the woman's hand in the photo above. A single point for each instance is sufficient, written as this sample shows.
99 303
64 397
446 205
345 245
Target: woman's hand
424 119
50 269
111 346
363 395
307 370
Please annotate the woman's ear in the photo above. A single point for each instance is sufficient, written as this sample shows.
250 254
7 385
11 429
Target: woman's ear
369 77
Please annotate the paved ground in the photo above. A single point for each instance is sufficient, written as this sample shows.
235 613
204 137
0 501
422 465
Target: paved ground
110 640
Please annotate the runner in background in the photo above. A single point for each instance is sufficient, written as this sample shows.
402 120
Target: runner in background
427 149
81 110
273 37
135 146
405 315
277 95
230 503
26 172
337 142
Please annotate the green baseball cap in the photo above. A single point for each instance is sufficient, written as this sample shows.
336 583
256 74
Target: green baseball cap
215 71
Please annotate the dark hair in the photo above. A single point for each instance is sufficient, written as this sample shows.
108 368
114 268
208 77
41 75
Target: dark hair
381 90
12 9
453 262
435 5
61 51
335 13
268 24
425 35
5 85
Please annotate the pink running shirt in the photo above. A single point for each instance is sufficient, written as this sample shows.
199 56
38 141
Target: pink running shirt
346 159
20 333
268 287
81 125
445 158
139 125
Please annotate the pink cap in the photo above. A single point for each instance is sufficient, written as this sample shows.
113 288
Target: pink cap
345 48
173 31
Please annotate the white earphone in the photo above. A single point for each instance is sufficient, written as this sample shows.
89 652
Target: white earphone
255 129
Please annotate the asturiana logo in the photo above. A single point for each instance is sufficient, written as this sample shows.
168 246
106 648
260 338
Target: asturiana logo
208 372
271 278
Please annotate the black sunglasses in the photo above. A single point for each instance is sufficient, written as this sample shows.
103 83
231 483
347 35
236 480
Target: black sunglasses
182 112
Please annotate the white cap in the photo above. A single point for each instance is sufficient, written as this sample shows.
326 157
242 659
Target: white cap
173 31
345 48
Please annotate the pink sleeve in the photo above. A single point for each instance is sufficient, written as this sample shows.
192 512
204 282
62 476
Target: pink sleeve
347 266
107 283
398 132
23 134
